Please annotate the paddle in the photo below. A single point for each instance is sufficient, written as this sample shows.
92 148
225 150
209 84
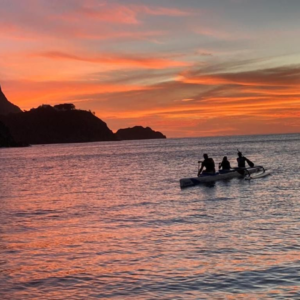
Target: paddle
249 162
199 162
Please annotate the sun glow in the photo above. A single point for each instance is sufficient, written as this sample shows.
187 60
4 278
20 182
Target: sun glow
151 65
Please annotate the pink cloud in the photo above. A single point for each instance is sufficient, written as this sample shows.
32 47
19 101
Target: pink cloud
90 20
117 13
162 11
113 14
104 13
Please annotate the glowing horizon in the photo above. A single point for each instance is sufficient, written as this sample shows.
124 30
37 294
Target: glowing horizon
221 67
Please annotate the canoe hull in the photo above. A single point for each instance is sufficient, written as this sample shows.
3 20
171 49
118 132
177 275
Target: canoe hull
187 182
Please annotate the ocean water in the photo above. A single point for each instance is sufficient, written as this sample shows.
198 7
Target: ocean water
109 221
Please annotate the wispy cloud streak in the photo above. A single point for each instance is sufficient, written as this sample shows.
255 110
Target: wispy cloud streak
119 60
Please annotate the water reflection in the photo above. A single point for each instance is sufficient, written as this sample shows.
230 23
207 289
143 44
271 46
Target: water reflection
75 227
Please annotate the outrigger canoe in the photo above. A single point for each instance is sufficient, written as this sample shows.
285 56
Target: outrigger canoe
247 173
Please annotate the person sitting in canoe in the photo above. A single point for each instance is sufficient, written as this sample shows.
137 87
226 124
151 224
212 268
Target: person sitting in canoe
241 160
225 164
209 165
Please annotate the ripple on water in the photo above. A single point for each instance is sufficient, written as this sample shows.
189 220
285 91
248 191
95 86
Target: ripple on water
73 226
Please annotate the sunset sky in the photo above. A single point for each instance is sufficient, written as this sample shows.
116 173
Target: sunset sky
185 68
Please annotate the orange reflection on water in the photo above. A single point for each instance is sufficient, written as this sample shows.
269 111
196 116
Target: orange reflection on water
75 223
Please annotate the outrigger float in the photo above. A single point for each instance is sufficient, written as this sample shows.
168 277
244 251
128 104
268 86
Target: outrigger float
246 173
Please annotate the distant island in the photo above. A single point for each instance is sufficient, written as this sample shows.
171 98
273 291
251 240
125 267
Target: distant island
139 133
61 123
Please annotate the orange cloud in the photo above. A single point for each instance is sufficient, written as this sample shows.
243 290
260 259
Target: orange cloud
31 93
19 32
118 60
262 95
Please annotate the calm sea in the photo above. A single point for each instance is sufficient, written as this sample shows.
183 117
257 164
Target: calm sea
109 221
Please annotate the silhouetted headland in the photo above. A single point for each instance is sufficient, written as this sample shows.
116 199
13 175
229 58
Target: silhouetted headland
7 107
139 133
6 139
61 123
